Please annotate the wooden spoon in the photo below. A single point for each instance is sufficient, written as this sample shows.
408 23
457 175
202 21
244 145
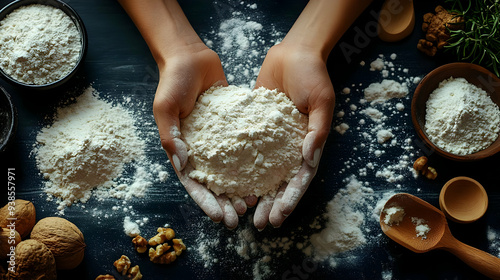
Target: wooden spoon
396 20
439 236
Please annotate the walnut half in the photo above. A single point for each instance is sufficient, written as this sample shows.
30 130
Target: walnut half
140 244
122 264
105 277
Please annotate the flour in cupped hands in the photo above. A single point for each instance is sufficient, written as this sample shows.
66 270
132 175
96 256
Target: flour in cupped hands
87 148
244 142
39 44
461 118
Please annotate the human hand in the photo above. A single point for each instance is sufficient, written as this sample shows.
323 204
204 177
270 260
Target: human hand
301 73
187 73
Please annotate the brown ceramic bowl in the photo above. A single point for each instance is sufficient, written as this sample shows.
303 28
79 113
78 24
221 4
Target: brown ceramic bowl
474 74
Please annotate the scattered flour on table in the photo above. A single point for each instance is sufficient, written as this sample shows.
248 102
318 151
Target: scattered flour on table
251 143
87 148
461 118
494 239
242 44
385 90
378 120
345 221
130 227
344 227
39 44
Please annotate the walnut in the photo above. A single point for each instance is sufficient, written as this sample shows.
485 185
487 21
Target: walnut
437 28
8 238
430 173
140 244
165 258
420 165
34 260
178 246
427 47
3 273
105 277
134 273
158 252
122 264
64 240
163 235
21 213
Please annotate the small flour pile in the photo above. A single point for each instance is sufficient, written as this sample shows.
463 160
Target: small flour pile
86 147
39 44
242 141
461 118
345 221
378 93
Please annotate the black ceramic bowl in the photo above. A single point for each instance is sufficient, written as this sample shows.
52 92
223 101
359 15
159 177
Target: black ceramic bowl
8 119
79 25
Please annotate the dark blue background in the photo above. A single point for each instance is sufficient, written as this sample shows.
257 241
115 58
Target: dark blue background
119 63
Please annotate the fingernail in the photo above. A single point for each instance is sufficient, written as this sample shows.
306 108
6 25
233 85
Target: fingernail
180 153
317 155
176 162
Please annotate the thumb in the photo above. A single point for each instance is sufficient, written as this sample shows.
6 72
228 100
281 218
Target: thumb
320 119
166 115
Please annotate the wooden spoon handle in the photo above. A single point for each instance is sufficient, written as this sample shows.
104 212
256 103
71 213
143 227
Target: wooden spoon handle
481 261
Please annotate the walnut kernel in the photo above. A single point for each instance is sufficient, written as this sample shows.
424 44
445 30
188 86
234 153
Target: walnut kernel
140 244
430 173
178 246
105 277
122 264
166 258
134 273
163 235
420 164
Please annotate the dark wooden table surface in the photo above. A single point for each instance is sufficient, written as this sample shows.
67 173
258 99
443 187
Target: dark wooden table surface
119 64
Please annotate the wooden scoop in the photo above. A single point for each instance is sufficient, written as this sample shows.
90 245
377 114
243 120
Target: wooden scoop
396 20
439 236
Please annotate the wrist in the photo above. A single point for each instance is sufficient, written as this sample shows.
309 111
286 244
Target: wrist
181 46
323 22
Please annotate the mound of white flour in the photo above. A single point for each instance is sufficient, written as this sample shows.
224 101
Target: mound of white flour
461 118
86 147
39 44
244 142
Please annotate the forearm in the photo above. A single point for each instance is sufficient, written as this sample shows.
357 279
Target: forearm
163 26
323 22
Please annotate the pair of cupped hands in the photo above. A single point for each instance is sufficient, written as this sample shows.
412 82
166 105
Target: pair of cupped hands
299 72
